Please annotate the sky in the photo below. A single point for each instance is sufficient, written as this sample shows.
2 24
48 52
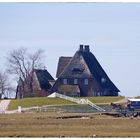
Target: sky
111 29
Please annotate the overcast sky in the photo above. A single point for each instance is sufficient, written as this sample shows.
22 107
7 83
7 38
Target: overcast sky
111 29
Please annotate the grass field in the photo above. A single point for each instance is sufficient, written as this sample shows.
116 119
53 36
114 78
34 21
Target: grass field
104 100
138 97
29 102
52 125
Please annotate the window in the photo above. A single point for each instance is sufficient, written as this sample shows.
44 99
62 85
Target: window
85 81
77 70
75 81
65 81
103 80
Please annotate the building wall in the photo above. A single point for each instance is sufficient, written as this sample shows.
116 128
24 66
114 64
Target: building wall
23 90
85 90
92 89
26 93
36 85
37 93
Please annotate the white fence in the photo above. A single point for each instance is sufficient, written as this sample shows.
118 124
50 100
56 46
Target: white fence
95 106
78 101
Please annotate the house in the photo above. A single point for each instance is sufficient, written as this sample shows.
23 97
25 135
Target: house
82 75
41 85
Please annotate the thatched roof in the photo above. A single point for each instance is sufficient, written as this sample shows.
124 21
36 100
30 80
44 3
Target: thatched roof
84 65
97 71
43 77
63 61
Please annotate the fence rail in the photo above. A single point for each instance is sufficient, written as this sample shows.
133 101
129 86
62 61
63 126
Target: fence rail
95 106
68 98
79 101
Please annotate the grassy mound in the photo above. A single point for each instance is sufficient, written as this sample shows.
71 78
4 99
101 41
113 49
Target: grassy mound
104 100
138 97
40 101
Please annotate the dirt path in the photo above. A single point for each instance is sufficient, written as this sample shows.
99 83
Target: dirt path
123 100
4 105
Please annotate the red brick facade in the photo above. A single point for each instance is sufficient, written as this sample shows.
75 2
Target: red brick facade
85 90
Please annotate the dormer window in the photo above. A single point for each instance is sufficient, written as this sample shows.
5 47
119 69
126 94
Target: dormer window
77 70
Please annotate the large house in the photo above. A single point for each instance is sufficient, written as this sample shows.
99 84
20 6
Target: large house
82 75
41 85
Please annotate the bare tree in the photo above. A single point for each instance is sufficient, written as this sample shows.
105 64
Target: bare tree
5 88
21 63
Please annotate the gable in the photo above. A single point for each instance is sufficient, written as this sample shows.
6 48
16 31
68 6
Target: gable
77 68
43 78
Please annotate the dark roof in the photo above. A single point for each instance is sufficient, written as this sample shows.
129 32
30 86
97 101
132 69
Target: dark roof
84 65
97 71
63 61
43 78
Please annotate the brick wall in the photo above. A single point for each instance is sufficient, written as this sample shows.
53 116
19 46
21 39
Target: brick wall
85 90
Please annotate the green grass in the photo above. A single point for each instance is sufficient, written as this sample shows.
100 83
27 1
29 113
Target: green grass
104 100
29 102
40 101
138 97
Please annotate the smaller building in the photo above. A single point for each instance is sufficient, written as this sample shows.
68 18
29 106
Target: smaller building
40 86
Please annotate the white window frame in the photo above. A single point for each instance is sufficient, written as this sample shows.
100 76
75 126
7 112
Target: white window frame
86 81
65 81
75 81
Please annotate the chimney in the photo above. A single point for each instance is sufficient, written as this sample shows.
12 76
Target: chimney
87 48
81 48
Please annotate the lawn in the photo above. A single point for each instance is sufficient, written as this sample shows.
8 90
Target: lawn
40 101
138 97
104 100
54 125
29 102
